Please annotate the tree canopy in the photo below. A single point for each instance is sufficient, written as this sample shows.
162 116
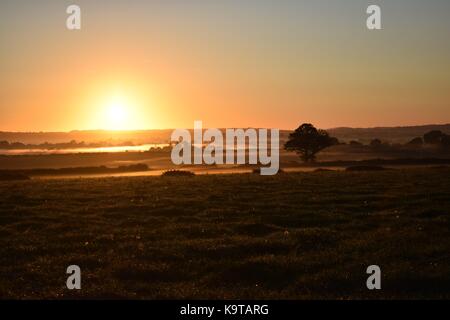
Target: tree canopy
307 141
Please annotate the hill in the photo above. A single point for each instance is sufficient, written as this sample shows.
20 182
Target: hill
391 134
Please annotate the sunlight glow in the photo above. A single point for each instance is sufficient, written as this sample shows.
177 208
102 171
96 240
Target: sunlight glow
117 113
129 105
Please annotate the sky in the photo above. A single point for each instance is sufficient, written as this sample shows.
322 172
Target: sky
234 63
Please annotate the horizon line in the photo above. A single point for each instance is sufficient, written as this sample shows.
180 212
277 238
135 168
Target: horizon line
250 127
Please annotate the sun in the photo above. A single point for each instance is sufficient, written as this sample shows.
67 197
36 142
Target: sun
117 113
119 108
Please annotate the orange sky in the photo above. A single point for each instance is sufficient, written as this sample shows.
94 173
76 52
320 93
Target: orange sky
140 65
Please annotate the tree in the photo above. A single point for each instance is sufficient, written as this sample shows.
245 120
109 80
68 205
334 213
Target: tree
375 143
445 140
433 137
307 141
416 142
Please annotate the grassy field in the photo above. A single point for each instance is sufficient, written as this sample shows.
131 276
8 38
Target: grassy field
292 236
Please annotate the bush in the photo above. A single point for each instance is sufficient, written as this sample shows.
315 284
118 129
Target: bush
258 171
177 173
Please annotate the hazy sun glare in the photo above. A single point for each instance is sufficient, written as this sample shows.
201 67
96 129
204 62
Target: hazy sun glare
117 114
112 105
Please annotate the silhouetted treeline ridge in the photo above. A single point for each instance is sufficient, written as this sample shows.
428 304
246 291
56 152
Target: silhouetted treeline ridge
344 134
381 162
5 145
390 134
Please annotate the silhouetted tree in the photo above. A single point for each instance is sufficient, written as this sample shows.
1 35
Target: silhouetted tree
375 143
307 141
433 137
445 140
416 142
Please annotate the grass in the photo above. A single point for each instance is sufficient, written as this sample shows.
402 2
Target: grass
291 236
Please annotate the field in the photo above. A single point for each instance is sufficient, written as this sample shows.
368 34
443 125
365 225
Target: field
291 236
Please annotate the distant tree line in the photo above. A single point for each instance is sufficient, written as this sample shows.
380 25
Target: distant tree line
307 142
5 145
434 138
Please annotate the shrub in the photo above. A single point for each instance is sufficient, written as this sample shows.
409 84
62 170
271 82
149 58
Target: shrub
258 171
178 173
